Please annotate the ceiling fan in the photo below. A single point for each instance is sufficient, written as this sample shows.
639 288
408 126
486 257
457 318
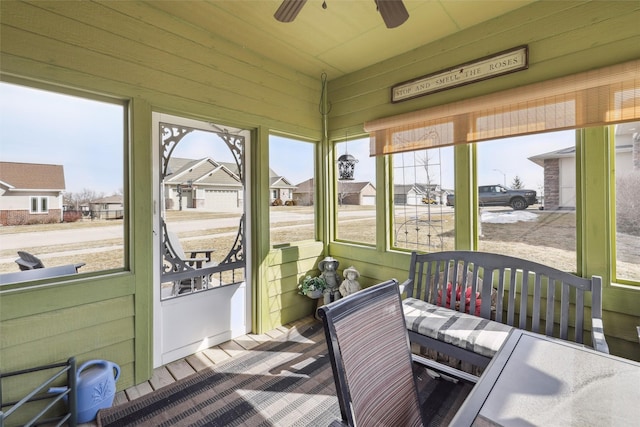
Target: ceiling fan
393 12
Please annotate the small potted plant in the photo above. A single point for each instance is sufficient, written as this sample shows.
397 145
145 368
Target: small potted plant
313 287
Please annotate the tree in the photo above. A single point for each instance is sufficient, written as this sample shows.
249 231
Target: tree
83 197
627 203
517 183
426 162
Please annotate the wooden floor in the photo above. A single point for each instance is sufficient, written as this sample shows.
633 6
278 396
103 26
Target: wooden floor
182 368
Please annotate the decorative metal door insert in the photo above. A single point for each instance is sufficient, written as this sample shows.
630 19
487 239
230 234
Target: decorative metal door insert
194 183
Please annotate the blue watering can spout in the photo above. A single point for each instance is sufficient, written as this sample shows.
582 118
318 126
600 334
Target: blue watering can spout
57 390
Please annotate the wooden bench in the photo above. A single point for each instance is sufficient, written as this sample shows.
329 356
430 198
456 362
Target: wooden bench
38 273
465 303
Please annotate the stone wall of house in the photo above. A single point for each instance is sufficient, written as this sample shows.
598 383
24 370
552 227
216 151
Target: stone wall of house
551 183
23 217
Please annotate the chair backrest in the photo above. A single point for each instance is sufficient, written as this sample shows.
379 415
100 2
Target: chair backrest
371 358
175 245
549 292
28 261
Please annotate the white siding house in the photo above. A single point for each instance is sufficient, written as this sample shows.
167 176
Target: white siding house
30 193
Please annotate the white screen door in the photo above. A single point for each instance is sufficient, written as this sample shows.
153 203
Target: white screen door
201 296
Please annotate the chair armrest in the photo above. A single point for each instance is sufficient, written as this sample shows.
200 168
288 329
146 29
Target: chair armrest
205 252
26 265
597 336
195 262
444 369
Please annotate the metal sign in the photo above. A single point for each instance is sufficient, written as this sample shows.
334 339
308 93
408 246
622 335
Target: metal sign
498 64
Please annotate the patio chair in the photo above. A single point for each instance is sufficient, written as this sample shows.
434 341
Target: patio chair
28 261
371 358
31 262
192 260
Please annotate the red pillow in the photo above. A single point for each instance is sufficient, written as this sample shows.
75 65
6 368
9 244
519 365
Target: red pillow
467 305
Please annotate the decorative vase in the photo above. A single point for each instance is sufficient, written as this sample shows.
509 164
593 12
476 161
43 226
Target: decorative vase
314 294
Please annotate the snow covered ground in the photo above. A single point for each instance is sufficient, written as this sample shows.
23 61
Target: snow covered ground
509 217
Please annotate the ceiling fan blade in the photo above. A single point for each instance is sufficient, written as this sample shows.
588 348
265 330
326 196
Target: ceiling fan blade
288 10
393 12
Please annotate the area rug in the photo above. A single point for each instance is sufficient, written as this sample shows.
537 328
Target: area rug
286 382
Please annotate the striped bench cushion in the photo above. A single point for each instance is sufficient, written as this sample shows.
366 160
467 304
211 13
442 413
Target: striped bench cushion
470 332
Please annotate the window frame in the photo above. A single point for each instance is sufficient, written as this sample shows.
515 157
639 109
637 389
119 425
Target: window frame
125 151
335 193
392 193
316 151
41 203
613 211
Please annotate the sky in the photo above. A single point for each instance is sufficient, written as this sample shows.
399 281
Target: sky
508 158
293 159
86 137
200 144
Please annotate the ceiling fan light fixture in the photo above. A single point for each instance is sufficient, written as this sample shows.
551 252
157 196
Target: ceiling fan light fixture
393 12
288 10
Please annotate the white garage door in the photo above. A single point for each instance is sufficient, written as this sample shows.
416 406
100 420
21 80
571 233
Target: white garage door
414 200
221 200
369 200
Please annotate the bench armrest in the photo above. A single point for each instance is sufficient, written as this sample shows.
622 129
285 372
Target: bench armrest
406 285
597 336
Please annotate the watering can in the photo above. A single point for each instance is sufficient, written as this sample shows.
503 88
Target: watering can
96 385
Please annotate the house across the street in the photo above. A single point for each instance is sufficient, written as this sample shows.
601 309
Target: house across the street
111 207
210 185
349 193
418 194
30 193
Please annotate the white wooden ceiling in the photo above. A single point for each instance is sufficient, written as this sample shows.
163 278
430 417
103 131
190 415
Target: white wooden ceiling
346 36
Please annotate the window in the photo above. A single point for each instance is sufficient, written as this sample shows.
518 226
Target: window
527 198
422 183
627 187
356 194
39 205
292 189
62 163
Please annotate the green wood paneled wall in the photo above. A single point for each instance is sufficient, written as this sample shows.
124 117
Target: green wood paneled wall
563 38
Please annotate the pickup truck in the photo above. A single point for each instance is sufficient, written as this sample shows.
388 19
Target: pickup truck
498 195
